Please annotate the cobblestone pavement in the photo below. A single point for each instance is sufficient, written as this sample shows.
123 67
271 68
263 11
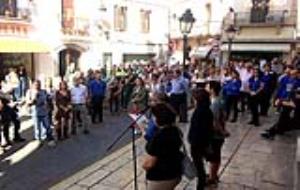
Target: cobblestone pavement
259 164
28 166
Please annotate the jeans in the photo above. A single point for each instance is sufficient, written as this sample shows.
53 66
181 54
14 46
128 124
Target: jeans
42 125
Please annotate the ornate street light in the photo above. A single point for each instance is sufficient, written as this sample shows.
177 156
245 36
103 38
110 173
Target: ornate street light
186 22
230 33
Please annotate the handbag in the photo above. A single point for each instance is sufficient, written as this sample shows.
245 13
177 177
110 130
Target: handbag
188 167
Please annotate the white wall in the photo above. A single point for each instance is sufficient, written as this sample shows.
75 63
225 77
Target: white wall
199 10
133 41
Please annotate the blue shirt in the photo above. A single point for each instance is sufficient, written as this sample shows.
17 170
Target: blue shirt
286 87
254 84
179 85
233 87
97 88
267 80
40 107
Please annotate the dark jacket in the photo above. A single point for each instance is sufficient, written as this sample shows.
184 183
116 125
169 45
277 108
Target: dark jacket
201 130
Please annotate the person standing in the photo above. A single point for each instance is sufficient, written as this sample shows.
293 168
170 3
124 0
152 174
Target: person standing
219 130
114 96
23 85
13 83
38 99
79 99
163 162
97 89
232 93
63 109
246 74
139 97
201 133
179 95
4 122
255 87
269 80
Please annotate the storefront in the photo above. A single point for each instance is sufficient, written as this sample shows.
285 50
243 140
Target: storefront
19 52
138 57
257 51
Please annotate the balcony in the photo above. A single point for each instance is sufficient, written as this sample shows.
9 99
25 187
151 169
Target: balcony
17 24
262 19
76 26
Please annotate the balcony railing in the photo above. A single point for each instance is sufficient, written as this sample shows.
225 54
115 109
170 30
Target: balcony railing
17 24
76 26
261 18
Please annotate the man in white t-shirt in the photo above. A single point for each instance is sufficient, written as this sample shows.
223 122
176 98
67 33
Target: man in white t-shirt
245 75
79 98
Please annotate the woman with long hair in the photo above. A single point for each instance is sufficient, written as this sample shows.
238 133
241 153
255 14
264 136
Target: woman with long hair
201 133
62 110
139 97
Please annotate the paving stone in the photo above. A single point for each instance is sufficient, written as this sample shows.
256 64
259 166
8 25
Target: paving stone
77 187
94 178
258 164
103 187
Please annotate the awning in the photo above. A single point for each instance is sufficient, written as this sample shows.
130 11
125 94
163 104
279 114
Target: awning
22 46
201 52
262 47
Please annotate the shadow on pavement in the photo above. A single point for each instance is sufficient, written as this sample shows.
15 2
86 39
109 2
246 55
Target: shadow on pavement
33 167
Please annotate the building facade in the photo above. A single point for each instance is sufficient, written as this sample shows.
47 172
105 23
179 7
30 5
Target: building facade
206 29
66 35
137 31
266 29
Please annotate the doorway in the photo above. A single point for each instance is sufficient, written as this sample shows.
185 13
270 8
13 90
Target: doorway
68 61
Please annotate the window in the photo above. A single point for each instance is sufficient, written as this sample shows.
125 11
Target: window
120 18
8 8
259 11
145 21
67 14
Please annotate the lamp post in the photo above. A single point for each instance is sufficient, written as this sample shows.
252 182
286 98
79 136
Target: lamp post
230 32
186 22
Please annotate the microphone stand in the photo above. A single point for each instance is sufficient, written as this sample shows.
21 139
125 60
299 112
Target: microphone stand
134 156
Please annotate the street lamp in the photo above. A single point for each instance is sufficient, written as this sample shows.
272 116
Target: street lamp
186 22
230 33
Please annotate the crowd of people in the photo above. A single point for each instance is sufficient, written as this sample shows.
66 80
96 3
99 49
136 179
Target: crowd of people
216 94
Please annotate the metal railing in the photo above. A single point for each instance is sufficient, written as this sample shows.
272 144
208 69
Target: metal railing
263 18
19 15
75 26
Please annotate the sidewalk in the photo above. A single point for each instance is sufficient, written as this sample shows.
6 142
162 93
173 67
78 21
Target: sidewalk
259 164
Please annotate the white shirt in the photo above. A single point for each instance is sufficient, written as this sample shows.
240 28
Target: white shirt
245 76
79 94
